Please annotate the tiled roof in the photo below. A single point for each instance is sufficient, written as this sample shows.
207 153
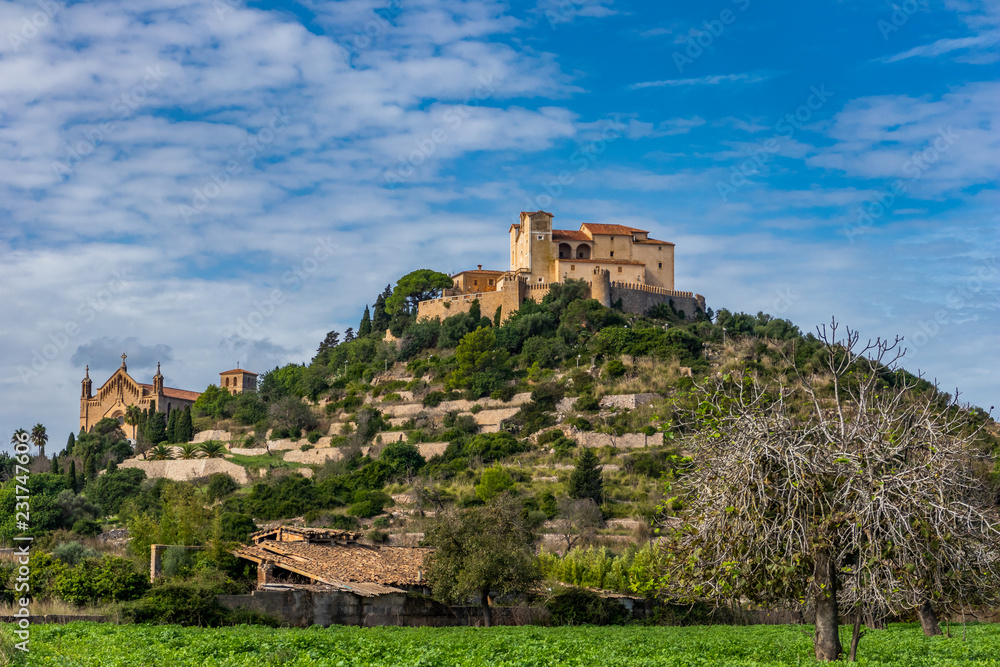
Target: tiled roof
182 394
238 370
489 271
611 229
569 235
339 564
653 242
170 392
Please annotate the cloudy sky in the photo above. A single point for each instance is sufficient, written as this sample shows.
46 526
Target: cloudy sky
213 182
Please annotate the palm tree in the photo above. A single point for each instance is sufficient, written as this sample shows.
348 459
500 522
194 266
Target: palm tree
39 437
189 450
161 453
133 415
20 436
212 449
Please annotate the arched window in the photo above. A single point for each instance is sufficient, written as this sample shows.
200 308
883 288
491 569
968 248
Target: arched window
583 251
565 251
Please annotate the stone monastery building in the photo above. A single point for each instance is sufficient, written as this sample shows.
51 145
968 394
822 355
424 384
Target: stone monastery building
121 391
619 263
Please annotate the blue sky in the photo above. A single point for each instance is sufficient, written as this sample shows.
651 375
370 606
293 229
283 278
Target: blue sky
201 183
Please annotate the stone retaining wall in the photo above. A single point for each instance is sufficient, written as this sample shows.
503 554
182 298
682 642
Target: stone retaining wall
628 401
319 455
186 470
494 416
626 441
429 449
205 436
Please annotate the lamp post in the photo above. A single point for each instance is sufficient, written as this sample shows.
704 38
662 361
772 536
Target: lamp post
578 361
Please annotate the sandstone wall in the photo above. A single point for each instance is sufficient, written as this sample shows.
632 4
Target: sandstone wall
187 469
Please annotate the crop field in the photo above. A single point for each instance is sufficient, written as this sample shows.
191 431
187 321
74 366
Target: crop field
106 645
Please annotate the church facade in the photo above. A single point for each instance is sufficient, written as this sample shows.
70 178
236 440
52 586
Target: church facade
120 391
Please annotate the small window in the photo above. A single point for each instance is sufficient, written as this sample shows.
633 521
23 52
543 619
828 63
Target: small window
541 238
491 281
619 269
572 267
475 282
612 239
660 265
539 280
612 253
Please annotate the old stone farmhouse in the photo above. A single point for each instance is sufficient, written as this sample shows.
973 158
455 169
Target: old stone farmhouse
619 263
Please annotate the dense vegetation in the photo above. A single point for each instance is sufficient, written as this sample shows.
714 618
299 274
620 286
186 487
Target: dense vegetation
93 645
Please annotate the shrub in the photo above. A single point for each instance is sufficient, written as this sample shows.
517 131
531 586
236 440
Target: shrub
87 527
390 397
377 536
614 369
578 606
493 482
504 393
434 399
73 553
368 503
110 579
306 447
221 485
314 437
237 527
587 403
189 603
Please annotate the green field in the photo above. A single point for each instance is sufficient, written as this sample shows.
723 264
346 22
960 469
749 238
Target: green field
86 644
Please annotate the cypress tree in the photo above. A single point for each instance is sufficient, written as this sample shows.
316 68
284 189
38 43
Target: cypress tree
185 427
380 318
172 427
475 314
70 444
71 475
586 480
55 465
156 428
365 327
89 468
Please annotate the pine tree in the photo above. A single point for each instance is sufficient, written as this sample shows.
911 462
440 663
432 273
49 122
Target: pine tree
586 480
172 427
70 445
71 480
349 335
185 427
365 328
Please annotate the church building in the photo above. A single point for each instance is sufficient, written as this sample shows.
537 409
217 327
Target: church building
121 390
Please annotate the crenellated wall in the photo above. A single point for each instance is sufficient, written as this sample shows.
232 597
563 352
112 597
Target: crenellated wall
636 298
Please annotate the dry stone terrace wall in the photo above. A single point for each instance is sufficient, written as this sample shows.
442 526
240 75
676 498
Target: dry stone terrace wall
628 401
187 469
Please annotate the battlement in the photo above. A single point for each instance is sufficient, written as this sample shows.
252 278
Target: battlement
642 287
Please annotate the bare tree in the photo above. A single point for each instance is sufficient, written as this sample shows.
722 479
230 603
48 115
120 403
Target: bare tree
577 519
845 487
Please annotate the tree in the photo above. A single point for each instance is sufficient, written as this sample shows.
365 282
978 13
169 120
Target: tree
479 365
71 481
331 341
39 437
189 450
380 318
20 436
586 480
172 427
415 287
70 444
577 519
212 449
161 453
156 428
494 481
844 488
185 427
480 551
365 328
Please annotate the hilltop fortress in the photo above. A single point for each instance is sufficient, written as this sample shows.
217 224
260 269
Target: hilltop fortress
618 262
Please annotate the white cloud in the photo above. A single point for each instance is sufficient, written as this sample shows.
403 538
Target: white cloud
711 80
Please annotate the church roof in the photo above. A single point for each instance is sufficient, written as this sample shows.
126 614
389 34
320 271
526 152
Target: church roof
170 392
611 229
569 235
238 370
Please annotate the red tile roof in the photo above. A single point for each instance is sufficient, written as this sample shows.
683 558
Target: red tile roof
182 394
238 370
611 229
653 242
489 271
569 235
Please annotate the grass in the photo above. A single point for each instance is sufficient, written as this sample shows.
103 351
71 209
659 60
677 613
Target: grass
97 645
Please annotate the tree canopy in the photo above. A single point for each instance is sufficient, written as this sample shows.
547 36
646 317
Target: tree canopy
415 287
